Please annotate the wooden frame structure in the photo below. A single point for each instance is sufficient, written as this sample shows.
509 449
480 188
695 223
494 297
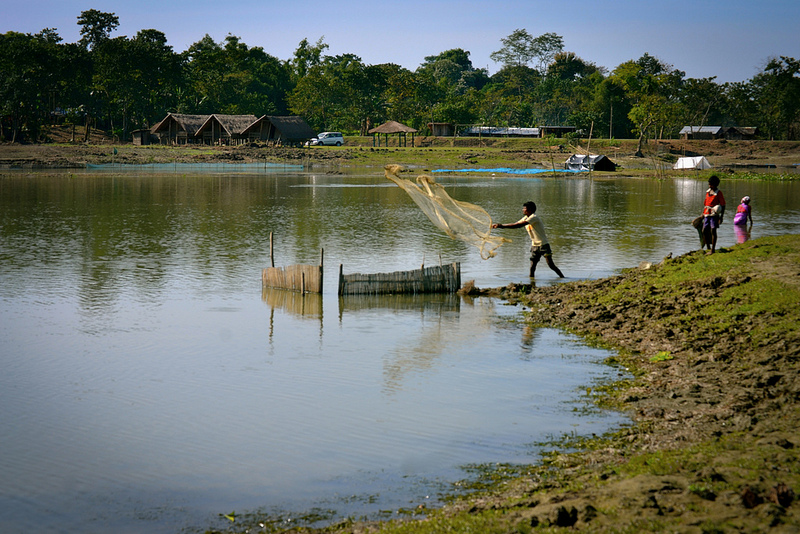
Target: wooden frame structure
390 128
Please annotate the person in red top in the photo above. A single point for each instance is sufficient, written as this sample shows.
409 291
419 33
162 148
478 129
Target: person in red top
713 211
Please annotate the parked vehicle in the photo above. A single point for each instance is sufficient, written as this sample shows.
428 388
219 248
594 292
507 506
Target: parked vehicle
328 138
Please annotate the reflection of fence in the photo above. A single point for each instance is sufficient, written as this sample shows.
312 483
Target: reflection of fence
303 278
295 303
428 303
436 279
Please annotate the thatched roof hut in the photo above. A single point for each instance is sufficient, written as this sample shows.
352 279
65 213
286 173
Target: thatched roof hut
392 127
178 128
225 128
290 130
740 132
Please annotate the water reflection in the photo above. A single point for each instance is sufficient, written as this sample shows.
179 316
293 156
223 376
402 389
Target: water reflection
435 303
742 232
304 305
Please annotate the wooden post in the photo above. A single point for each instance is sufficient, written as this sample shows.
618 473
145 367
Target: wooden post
588 149
302 282
341 280
271 257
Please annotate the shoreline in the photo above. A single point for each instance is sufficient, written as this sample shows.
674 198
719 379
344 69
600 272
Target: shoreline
714 399
739 157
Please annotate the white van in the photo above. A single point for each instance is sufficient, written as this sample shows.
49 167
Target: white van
328 138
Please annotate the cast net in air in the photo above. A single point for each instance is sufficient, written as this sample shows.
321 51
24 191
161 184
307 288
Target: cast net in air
460 220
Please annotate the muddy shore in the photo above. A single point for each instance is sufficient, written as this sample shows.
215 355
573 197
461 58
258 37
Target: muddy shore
714 344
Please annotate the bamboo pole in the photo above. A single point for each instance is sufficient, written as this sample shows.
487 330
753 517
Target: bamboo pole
271 257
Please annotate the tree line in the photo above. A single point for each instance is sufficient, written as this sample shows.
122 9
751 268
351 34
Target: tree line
119 84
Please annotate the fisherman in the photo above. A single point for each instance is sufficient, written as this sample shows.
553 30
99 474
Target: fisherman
539 244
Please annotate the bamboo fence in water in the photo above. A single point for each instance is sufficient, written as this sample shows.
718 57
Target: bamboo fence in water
303 278
436 279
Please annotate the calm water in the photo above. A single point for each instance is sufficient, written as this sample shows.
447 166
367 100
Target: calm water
149 385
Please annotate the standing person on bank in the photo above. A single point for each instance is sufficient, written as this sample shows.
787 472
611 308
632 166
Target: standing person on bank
539 244
713 211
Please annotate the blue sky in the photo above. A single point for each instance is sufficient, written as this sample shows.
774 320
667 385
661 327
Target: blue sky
730 39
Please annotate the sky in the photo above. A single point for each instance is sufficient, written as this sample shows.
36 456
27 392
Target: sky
730 39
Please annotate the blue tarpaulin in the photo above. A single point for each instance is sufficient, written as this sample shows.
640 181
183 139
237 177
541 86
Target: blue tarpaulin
506 170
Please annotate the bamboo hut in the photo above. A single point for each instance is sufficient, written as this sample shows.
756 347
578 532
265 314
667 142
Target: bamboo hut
390 128
225 129
178 129
279 130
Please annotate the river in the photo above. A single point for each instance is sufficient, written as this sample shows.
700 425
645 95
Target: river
149 384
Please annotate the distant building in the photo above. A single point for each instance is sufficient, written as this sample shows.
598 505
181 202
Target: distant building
280 130
500 131
701 132
514 131
441 129
224 129
740 133
719 132
557 131
143 137
390 128
180 129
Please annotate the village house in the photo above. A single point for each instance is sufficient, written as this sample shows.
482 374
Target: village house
718 132
221 129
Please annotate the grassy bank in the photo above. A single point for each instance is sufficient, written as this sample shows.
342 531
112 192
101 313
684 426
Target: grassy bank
713 346
745 158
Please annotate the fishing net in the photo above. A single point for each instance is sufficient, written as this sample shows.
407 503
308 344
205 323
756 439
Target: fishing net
460 220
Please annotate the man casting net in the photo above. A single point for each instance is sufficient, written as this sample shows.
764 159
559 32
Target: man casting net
460 220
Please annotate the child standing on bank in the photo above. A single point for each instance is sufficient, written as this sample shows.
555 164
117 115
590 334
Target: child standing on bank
713 211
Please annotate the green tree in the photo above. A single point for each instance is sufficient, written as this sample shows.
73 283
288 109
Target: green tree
31 74
96 27
777 92
404 98
566 94
517 50
508 100
233 78
545 48
521 48
653 88
306 57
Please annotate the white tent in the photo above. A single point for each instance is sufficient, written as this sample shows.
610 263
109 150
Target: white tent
696 163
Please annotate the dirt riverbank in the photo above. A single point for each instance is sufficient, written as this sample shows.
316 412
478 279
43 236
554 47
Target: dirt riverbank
714 344
436 153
